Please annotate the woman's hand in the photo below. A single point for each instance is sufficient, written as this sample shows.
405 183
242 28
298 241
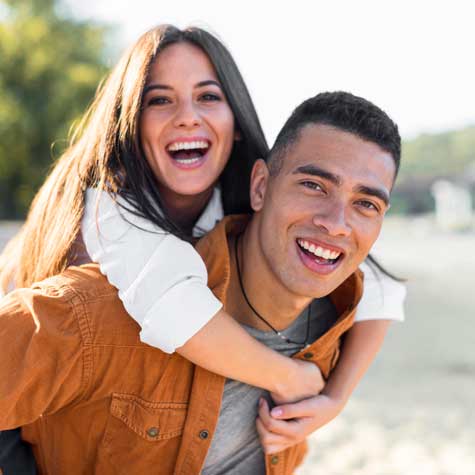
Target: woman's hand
289 424
305 381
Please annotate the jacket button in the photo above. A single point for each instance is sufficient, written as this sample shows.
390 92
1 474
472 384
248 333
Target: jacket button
274 460
308 355
153 432
203 434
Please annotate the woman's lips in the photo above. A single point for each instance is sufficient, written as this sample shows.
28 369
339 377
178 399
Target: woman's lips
189 153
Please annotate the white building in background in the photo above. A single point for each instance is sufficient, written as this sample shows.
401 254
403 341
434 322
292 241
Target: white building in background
453 205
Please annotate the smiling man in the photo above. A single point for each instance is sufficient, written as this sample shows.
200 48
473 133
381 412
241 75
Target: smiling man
103 402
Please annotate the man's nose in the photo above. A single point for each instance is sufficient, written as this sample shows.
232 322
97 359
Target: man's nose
332 217
187 116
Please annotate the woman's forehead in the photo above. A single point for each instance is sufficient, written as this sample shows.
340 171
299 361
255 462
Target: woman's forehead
182 62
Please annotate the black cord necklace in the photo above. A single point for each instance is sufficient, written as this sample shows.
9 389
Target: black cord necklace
277 332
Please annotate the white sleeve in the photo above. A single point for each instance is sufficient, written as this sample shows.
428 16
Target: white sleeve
383 297
162 280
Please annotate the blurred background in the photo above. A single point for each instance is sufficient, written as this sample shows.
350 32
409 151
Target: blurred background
413 413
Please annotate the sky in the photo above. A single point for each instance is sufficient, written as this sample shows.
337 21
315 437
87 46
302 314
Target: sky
415 59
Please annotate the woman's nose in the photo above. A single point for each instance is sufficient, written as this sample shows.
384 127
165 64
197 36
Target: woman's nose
187 116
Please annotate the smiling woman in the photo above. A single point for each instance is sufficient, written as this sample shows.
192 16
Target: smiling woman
187 129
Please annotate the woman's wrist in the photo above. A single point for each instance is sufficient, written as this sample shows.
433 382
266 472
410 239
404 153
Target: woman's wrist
303 380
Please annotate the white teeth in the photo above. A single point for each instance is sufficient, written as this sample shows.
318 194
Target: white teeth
176 146
318 251
187 161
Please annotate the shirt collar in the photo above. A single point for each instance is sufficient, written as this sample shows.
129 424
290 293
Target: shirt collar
210 216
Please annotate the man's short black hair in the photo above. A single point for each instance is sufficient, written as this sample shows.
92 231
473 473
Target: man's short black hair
343 111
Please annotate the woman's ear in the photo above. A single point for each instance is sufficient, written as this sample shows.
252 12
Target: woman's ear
258 186
237 135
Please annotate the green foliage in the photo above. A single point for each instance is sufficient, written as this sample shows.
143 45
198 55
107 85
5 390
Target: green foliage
49 69
444 154
426 158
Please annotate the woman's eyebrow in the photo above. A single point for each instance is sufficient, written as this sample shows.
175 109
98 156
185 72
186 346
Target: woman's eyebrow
151 87
208 82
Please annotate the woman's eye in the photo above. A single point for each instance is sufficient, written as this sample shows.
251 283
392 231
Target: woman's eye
210 97
158 101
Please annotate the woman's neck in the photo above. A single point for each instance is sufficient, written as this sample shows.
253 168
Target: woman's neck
185 210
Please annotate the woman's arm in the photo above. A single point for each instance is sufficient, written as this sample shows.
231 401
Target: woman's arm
162 282
249 361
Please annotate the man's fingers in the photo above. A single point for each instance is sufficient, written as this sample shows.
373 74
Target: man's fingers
305 408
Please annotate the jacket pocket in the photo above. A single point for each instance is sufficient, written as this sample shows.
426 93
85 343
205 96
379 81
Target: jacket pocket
141 436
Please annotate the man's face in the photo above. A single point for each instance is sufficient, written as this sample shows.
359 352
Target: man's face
319 216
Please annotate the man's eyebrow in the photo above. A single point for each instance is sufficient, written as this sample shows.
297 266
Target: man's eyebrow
317 171
208 82
372 191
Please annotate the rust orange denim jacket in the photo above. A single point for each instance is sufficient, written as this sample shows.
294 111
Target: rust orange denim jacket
93 399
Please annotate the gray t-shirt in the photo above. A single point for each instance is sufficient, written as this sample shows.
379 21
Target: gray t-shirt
235 448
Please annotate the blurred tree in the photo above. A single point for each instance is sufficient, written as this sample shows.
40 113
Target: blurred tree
443 154
428 157
50 66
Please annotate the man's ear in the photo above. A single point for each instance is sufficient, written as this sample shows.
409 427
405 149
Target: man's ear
259 182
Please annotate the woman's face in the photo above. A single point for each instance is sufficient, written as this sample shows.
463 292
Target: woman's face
186 125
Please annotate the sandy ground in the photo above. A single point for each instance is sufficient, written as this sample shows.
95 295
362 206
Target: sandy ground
413 414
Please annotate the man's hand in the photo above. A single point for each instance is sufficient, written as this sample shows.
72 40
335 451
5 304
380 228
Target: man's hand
289 424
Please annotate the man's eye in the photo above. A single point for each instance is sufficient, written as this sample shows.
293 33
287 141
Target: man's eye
312 185
367 205
158 101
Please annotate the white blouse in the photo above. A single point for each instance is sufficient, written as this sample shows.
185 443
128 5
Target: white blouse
162 280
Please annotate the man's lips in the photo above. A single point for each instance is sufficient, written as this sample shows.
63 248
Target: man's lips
318 256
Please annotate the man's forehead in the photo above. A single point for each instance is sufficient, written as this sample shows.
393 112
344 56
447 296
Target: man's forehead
338 154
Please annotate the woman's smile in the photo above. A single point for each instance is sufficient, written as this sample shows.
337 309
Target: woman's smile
188 153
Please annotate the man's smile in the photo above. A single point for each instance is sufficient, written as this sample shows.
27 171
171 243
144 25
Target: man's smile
319 257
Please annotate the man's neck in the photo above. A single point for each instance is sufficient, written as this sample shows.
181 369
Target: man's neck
258 297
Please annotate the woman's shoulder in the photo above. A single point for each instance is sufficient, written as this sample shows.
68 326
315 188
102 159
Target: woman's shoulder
383 297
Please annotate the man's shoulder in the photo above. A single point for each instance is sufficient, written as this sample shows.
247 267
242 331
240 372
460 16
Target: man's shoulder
84 294
85 282
214 250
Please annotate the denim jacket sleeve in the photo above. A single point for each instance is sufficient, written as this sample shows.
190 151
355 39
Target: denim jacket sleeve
42 333
16 457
